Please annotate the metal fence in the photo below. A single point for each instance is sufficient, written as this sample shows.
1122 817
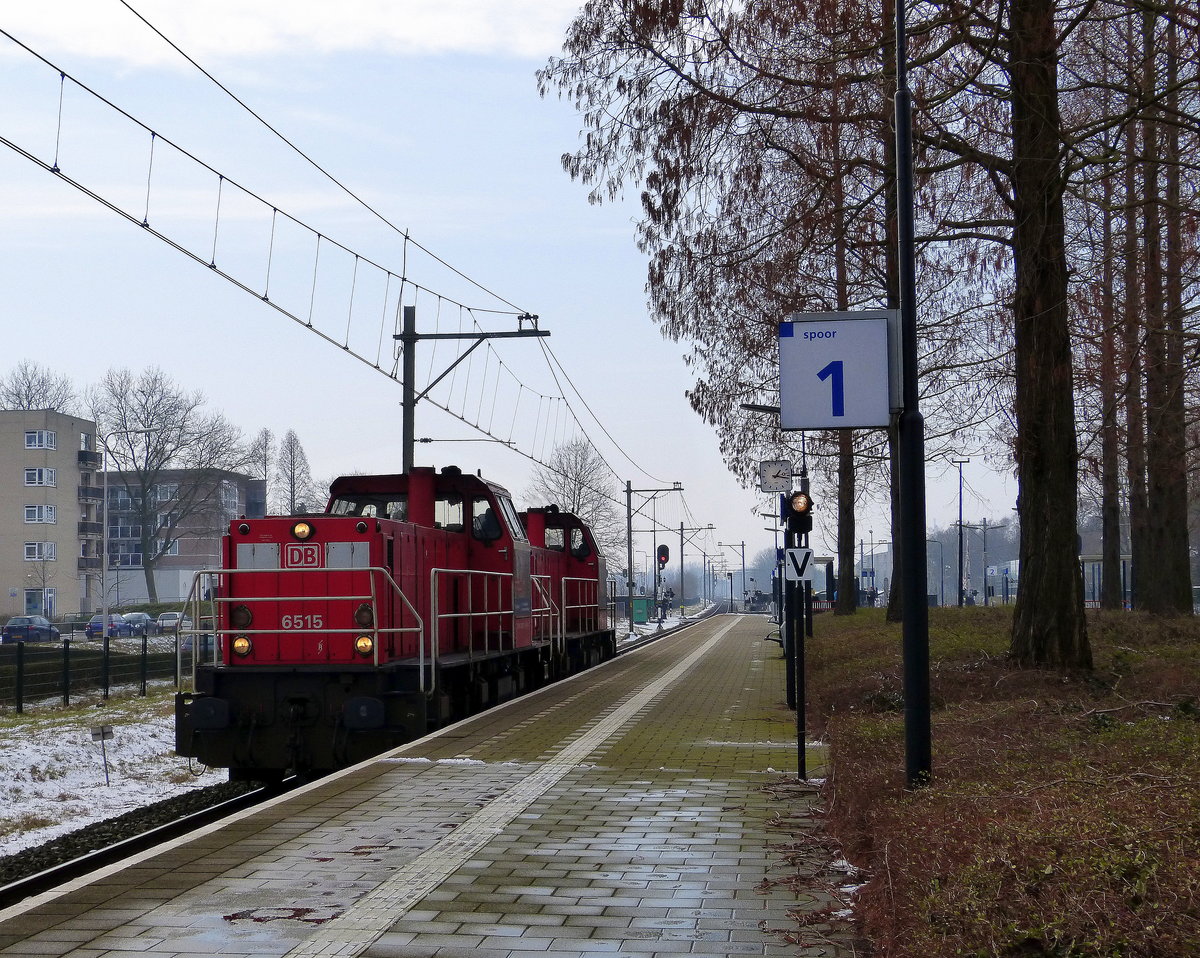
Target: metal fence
37 672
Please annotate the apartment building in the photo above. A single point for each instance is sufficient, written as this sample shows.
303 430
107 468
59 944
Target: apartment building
50 501
190 511
52 519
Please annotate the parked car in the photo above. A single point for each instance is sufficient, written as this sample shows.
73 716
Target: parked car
117 626
173 622
29 628
141 623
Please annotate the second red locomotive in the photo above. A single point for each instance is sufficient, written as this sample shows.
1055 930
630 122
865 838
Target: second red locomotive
412 601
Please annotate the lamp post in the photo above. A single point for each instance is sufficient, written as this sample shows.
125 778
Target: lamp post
941 571
960 463
104 519
874 591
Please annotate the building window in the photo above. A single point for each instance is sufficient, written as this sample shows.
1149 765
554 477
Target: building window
124 532
41 514
41 439
171 550
40 551
122 501
166 491
40 477
229 499
126 555
41 602
86 443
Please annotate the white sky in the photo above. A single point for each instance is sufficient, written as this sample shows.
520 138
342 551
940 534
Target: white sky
427 109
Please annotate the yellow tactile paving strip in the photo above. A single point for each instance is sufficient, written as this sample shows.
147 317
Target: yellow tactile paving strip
622 813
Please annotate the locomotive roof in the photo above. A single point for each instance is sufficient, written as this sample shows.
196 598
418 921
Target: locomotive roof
449 478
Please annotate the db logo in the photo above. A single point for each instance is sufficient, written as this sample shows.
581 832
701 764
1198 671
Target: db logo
302 555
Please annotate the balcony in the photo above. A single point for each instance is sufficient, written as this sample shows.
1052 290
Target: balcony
91 494
91 530
89 563
89 459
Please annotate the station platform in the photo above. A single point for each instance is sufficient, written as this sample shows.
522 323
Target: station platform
625 812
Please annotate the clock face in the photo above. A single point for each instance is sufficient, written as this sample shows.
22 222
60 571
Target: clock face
775 476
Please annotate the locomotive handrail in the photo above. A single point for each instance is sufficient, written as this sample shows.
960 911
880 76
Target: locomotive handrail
549 610
194 601
436 616
591 617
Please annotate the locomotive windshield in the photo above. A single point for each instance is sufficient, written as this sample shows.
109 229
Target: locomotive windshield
390 506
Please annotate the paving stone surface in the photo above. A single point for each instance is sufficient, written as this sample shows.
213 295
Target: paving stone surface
633 811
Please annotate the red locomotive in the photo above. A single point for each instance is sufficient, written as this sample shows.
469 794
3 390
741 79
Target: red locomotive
411 602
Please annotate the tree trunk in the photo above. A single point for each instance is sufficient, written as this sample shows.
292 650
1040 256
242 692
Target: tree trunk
847 600
1049 628
1110 461
1131 341
847 583
1168 590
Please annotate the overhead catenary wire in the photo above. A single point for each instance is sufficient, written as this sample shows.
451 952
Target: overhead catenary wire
313 163
547 433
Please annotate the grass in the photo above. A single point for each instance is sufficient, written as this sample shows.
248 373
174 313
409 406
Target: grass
1064 814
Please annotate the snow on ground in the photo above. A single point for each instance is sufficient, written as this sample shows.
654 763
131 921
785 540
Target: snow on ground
52 773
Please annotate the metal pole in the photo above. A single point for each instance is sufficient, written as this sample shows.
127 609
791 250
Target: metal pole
408 404
960 463
911 447
985 575
744 596
629 550
681 570
20 702
104 545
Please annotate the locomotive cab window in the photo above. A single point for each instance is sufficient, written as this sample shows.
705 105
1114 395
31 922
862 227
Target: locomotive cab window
554 539
392 506
579 544
448 513
485 526
512 519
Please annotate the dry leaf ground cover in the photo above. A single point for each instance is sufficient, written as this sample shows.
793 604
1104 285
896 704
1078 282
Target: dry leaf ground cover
1064 814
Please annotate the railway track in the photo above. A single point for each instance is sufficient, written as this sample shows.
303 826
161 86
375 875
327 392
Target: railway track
90 848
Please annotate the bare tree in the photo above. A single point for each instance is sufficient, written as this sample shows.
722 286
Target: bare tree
261 456
31 386
577 480
174 458
296 489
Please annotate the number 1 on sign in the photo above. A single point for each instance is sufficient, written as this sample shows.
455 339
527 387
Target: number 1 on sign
834 371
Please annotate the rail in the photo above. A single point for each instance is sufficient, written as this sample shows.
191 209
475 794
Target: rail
207 583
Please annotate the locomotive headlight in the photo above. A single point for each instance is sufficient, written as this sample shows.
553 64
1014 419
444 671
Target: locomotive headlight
240 617
302 531
241 645
364 616
364 645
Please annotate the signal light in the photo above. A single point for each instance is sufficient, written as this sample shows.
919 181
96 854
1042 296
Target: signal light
240 617
242 645
663 555
799 512
302 530
364 645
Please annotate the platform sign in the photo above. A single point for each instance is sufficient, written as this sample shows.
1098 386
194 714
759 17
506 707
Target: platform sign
835 370
798 565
